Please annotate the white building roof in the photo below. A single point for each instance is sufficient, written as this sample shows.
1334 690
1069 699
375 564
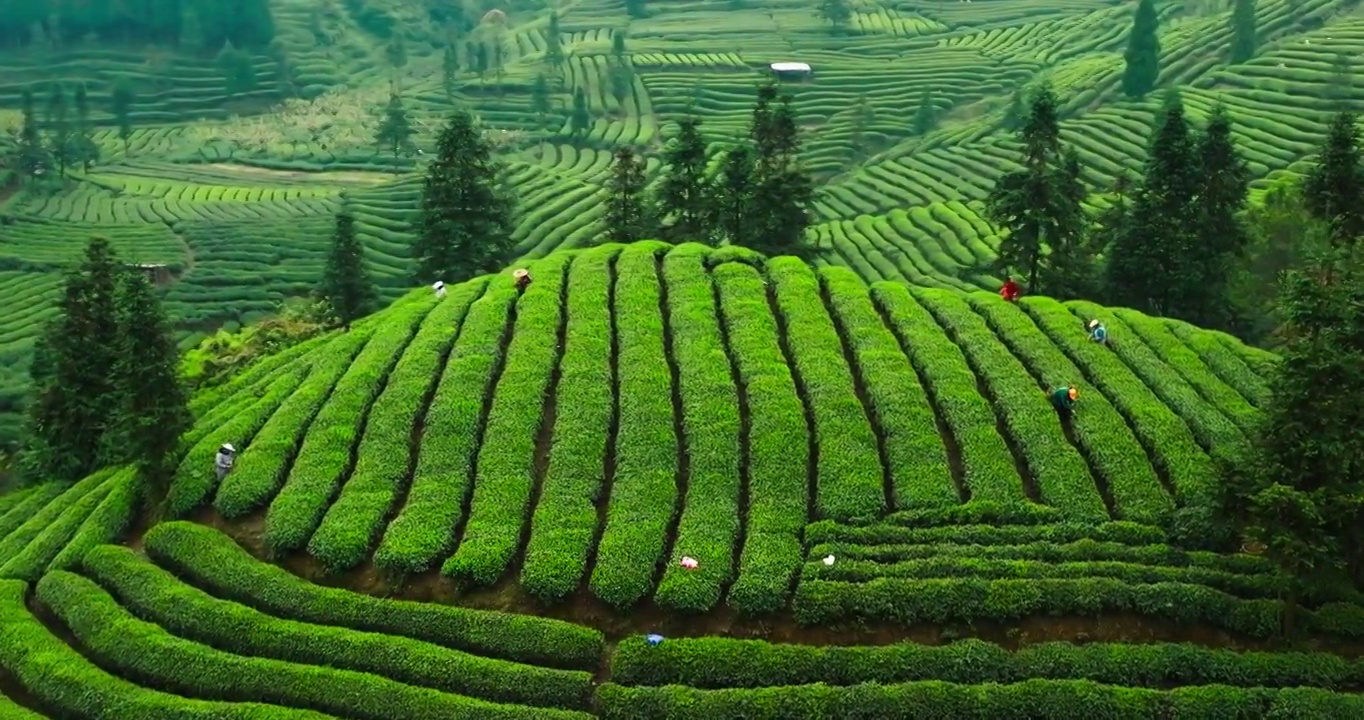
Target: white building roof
790 67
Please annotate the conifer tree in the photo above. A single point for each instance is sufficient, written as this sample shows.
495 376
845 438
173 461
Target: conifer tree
1220 236
540 103
636 8
33 157
150 402
1243 31
85 150
782 190
621 81
122 106
465 227
733 193
346 286
1334 188
629 215
1112 221
1147 267
1040 206
59 129
396 52
395 130
554 50
926 117
449 70
1143 52
1299 491
863 116
836 13
1017 111
682 193
618 46
72 369
579 121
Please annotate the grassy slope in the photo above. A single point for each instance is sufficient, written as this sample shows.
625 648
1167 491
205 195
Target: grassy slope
938 479
238 202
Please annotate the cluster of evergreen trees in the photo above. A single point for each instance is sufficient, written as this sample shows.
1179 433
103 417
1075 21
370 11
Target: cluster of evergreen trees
1300 491
64 138
759 198
106 379
1169 243
209 23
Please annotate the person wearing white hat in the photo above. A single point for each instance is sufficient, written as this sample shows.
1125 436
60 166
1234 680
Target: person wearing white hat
223 463
439 287
1097 332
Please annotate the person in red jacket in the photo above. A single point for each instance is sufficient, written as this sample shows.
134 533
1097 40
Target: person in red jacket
1010 291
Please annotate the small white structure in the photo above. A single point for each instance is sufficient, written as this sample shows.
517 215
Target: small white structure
790 70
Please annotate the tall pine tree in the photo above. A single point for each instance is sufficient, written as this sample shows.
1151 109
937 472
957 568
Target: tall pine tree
1220 235
59 129
449 70
465 212
1334 189
1243 31
1301 490
346 286
782 190
733 193
554 49
629 214
150 402
1147 266
72 370
33 156
682 192
122 107
580 120
1143 52
84 148
395 130
1040 206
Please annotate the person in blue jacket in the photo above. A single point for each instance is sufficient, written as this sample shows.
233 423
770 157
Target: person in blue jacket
1097 332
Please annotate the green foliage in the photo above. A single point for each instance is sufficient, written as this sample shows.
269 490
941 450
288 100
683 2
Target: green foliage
926 116
1220 236
1040 205
395 130
630 214
1244 41
214 562
149 400
1148 265
540 101
580 120
836 13
122 100
345 286
707 663
554 49
239 73
1299 488
683 198
1142 56
449 70
782 191
465 226
1335 183
73 372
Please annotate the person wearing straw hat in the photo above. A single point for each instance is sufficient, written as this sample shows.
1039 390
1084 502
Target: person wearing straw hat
223 463
1063 399
439 287
1097 332
522 276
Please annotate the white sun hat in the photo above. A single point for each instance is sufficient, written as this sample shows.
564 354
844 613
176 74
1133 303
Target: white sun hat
228 447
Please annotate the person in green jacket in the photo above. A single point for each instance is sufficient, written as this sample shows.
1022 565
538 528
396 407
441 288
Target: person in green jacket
1063 399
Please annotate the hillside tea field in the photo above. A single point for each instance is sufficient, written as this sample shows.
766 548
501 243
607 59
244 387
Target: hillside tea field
477 506
234 192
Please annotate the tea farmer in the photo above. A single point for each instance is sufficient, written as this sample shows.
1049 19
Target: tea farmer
1010 291
522 279
439 287
1097 332
1063 399
223 463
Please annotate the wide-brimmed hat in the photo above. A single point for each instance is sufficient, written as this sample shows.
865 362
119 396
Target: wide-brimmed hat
520 273
438 285
1094 323
228 447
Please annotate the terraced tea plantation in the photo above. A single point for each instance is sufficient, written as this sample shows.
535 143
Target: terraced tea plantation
478 506
234 192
